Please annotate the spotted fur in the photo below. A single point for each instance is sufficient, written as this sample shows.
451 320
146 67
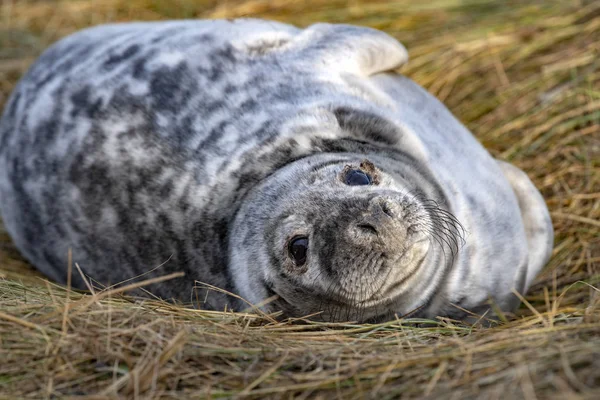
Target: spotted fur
191 145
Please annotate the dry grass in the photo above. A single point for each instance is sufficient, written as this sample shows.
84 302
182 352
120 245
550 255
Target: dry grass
524 78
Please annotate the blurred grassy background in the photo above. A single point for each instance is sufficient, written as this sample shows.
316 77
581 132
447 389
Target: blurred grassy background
523 76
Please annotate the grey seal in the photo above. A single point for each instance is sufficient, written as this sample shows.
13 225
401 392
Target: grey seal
270 161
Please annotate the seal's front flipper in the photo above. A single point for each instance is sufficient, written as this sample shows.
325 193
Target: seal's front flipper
351 49
536 219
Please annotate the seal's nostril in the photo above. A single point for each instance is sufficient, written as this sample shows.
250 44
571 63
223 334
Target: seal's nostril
367 228
386 209
379 205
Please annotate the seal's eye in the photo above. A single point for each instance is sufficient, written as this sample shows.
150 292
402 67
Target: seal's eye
298 248
356 177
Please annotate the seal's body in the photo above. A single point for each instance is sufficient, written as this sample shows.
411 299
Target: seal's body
272 162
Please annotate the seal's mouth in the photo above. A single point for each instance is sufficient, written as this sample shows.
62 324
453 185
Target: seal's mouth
336 306
391 286
331 310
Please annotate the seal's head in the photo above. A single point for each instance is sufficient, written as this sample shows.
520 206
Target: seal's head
338 237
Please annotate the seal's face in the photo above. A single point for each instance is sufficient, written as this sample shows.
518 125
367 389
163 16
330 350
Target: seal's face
337 238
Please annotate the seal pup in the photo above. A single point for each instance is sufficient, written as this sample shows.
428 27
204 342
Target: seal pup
270 161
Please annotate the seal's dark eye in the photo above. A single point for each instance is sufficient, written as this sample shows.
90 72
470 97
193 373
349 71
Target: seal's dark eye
298 248
356 177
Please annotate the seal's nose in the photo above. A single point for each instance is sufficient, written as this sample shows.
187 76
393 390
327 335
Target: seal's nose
377 217
381 205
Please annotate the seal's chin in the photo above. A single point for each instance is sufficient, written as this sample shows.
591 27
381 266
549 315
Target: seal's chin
332 310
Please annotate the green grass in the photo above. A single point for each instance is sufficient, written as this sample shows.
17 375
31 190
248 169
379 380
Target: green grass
523 76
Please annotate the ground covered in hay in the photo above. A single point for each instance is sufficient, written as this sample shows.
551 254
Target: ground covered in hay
524 77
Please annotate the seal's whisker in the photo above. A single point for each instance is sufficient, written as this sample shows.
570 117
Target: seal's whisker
448 221
441 240
442 236
447 227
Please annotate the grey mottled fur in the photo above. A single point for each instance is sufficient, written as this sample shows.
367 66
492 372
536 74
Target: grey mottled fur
205 146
